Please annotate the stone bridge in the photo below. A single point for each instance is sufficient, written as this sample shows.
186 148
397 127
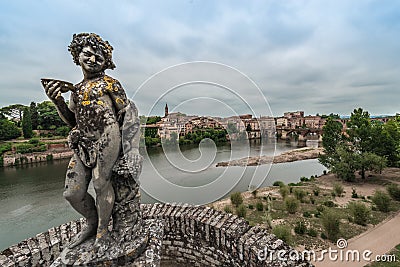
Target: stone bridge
300 134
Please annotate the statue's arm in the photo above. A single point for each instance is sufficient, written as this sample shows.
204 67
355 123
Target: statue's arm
65 112
53 91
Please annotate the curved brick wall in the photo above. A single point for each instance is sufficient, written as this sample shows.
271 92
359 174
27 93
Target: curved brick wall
193 236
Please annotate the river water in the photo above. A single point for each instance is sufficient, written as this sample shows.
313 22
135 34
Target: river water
31 196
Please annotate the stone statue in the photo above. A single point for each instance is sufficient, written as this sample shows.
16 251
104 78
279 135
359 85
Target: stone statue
105 135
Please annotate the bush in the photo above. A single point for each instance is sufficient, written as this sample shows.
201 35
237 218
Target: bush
291 204
241 211
323 236
278 183
283 232
300 228
236 198
307 214
34 141
354 193
228 209
304 179
250 206
284 191
329 204
312 232
360 212
299 194
381 200
5 147
316 191
394 191
259 206
331 224
338 189
63 131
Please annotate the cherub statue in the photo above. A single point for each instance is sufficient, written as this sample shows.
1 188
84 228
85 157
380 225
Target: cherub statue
96 112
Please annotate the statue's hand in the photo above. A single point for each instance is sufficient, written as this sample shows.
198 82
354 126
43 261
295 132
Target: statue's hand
53 90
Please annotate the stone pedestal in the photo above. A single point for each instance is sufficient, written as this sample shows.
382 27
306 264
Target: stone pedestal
143 251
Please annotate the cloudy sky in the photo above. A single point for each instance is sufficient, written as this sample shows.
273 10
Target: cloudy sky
316 56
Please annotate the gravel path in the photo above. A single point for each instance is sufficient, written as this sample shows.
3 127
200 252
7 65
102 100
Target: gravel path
380 240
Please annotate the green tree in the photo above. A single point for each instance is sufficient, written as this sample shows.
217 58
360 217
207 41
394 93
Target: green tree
27 124
48 116
8 130
14 112
34 115
231 128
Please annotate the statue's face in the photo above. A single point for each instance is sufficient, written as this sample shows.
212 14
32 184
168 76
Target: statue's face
91 60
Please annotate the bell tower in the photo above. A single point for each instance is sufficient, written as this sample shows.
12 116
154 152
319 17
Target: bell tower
166 110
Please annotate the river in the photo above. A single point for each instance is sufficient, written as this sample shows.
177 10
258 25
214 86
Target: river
31 196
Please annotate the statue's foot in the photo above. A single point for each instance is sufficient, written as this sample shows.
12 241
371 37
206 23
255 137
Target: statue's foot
103 242
86 233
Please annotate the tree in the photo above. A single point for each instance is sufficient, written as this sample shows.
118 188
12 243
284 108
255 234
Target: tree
331 138
34 115
48 116
358 151
14 112
8 130
27 124
231 128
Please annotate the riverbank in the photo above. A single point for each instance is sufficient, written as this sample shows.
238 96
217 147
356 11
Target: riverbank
288 156
304 228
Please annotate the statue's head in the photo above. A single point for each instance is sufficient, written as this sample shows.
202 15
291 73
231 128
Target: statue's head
81 40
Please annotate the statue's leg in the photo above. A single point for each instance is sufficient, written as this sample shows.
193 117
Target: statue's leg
76 185
102 184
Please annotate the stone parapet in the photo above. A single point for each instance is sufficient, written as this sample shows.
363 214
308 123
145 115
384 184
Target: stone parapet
192 236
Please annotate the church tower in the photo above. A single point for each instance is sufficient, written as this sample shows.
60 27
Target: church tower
166 110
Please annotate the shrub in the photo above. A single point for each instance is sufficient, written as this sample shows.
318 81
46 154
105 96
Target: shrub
329 203
278 183
331 224
338 189
394 191
323 236
34 141
324 172
304 179
299 194
241 211
236 198
49 157
307 214
381 200
360 212
5 147
228 209
284 191
250 206
259 206
312 232
291 204
300 228
282 232
316 191
354 193
63 131
312 200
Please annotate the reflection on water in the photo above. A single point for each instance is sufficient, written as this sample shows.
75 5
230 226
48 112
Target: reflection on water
31 196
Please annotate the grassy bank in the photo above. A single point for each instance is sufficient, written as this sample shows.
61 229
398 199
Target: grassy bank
314 213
